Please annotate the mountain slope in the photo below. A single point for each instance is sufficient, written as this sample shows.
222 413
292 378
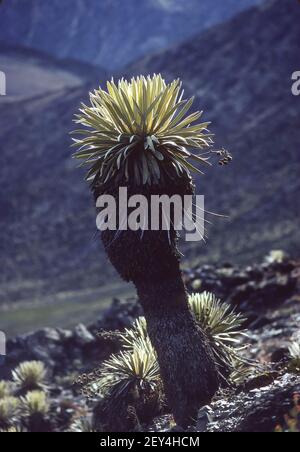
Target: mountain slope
36 171
30 73
108 33
241 73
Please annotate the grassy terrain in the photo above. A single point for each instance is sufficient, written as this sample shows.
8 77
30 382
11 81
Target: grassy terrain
67 310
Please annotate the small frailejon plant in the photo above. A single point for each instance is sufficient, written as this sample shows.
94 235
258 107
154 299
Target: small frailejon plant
24 410
35 409
82 425
224 329
128 382
14 429
9 412
126 379
5 390
137 333
35 402
139 131
276 257
294 357
131 371
30 375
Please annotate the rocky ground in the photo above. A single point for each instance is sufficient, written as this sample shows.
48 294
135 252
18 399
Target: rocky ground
268 294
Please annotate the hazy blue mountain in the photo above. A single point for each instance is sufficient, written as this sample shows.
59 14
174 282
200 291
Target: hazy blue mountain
109 33
241 73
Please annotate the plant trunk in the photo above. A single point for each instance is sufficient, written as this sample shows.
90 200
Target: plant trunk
186 363
152 263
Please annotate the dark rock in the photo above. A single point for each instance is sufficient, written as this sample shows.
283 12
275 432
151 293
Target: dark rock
279 355
82 336
121 314
55 347
176 429
60 348
259 322
230 277
269 292
65 335
259 410
205 417
163 424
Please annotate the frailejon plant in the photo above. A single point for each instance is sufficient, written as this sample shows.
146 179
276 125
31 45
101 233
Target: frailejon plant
35 409
294 357
138 131
30 375
223 328
130 370
82 425
9 411
5 389
127 379
35 403
136 334
12 430
129 386
139 135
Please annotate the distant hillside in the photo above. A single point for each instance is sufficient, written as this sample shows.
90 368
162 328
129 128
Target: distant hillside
241 73
38 174
31 73
109 33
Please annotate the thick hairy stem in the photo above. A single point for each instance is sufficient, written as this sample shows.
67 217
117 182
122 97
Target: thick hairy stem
151 261
186 363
